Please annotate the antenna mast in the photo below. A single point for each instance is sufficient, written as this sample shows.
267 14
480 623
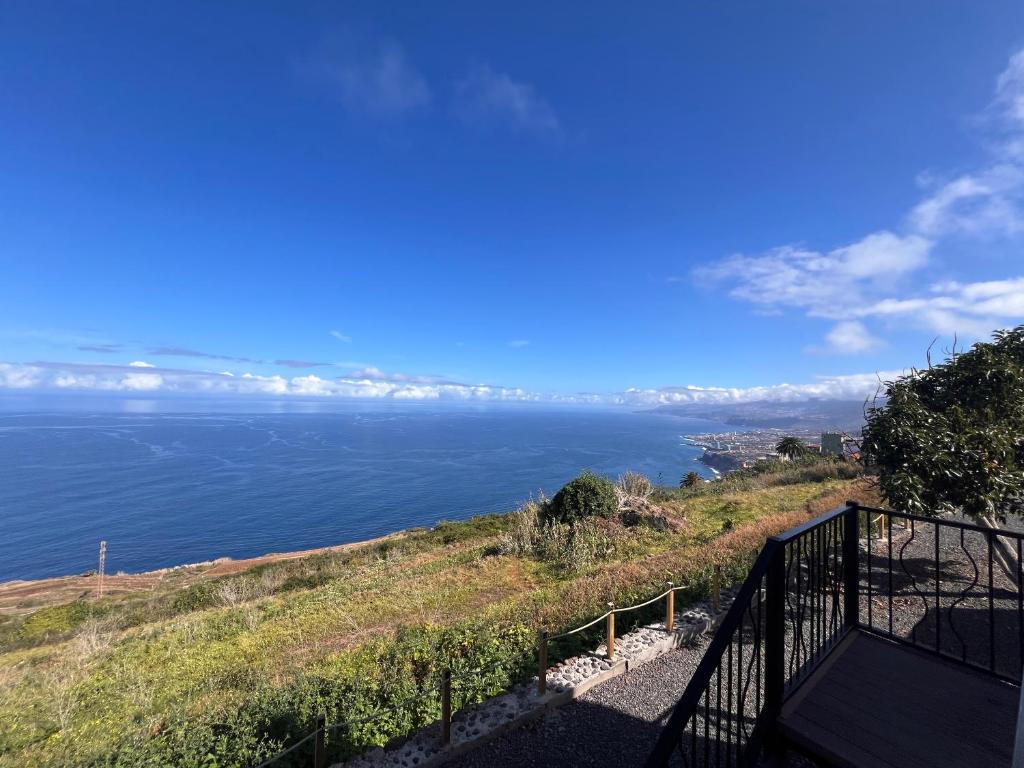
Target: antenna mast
99 573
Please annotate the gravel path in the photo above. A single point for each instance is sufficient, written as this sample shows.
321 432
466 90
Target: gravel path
615 723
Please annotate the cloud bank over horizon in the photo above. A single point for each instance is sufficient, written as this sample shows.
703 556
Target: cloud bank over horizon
141 377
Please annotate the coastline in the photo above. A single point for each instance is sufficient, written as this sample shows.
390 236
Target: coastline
21 595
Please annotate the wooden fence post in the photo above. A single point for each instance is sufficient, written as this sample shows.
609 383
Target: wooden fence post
670 608
319 748
446 707
542 664
611 631
716 589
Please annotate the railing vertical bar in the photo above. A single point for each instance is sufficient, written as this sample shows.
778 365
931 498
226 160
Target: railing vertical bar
812 568
739 687
798 641
319 747
1020 610
775 635
728 709
707 726
851 569
758 636
889 518
820 567
963 645
823 549
938 594
837 574
913 534
823 597
446 707
991 610
693 732
867 534
718 715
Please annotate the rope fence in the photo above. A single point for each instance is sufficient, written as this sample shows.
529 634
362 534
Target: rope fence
449 681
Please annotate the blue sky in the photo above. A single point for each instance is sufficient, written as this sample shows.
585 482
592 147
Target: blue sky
504 201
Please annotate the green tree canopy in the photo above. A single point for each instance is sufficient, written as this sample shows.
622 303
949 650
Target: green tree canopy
951 437
790 447
690 479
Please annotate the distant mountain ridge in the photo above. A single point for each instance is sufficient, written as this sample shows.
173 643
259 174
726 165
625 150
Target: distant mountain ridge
807 415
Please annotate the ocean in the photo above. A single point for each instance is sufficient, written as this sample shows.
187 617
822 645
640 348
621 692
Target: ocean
168 488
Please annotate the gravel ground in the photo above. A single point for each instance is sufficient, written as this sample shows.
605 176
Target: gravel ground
615 723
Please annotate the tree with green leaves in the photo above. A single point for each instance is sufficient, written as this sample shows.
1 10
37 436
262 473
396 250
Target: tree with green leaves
790 447
690 480
950 438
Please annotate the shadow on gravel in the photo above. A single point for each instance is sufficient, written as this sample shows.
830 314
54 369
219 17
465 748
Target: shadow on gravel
580 734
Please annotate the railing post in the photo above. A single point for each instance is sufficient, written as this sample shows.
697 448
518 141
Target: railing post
774 638
716 589
542 664
446 707
319 748
670 608
611 631
851 565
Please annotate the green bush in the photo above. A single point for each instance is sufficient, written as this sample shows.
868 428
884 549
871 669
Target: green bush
586 496
57 620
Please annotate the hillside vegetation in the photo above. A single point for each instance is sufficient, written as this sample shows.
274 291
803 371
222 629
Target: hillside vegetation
225 671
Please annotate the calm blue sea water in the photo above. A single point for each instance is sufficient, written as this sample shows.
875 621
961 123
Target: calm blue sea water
171 488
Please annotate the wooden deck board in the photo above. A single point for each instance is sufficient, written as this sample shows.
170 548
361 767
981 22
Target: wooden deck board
878 703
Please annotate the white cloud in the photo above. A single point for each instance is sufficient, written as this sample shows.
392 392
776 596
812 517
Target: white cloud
862 279
368 383
851 337
982 204
823 284
851 387
519 343
122 378
369 372
970 309
341 336
1009 98
488 95
376 79
141 364
142 382
19 376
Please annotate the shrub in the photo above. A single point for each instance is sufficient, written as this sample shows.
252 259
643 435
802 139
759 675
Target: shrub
635 484
525 530
586 496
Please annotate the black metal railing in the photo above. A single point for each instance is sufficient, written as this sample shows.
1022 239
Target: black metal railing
786 617
945 586
939 584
